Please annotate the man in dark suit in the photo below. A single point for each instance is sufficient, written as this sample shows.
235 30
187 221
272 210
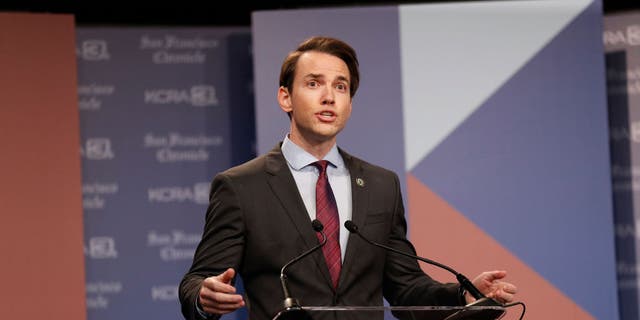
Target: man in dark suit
260 213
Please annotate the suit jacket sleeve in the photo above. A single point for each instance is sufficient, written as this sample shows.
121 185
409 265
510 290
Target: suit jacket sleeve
221 246
404 282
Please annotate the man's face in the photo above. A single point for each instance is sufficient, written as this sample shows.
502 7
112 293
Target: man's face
320 101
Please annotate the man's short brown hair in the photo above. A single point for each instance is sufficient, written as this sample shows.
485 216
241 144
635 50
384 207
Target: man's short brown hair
328 45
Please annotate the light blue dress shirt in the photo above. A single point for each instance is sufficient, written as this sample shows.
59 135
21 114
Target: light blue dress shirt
306 176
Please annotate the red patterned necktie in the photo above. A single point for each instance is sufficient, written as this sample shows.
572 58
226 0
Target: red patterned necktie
327 213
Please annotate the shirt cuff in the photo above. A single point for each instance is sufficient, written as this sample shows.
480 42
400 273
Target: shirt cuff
203 314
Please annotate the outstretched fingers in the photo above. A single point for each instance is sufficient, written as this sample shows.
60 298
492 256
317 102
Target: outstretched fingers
218 296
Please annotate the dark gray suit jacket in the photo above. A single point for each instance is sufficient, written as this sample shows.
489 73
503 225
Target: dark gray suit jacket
257 222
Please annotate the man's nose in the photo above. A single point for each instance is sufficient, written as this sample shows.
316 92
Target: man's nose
328 96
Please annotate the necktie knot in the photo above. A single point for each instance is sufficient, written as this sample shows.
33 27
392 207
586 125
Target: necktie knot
321 165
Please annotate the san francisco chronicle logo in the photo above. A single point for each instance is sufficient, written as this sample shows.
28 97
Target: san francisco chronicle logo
99 293
197 96
93 50
174 245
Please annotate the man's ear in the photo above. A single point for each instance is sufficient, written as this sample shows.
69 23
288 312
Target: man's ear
284 99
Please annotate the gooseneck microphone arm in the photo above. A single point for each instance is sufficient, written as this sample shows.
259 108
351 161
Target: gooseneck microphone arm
464 281
290 302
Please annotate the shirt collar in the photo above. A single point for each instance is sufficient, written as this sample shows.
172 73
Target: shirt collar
298 158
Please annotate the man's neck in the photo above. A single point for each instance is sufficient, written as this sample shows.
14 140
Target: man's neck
316 149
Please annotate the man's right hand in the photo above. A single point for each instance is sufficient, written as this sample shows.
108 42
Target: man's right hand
218 296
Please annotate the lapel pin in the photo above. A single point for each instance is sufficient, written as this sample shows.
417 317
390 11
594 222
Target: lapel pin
360 182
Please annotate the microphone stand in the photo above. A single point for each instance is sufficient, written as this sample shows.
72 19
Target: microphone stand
292 308
481 299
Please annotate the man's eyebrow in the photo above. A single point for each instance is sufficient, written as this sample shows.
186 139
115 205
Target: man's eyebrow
319 76
314 75
343 78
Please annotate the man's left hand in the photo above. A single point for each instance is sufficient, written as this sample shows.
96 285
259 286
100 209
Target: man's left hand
491 285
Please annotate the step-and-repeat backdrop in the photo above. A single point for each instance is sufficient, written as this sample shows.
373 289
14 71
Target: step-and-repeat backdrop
162 110
498 132
622 42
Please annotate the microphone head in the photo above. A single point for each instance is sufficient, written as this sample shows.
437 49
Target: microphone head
351 226
317 225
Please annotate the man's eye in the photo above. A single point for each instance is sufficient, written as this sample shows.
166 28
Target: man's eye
341 87
312 84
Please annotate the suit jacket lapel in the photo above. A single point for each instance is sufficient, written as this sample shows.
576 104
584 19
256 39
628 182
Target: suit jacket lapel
285 190
359 207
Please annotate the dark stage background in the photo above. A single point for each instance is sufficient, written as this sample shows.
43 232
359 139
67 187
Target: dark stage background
203 13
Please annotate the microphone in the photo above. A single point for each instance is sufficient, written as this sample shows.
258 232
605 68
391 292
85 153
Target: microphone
290 302
481 299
